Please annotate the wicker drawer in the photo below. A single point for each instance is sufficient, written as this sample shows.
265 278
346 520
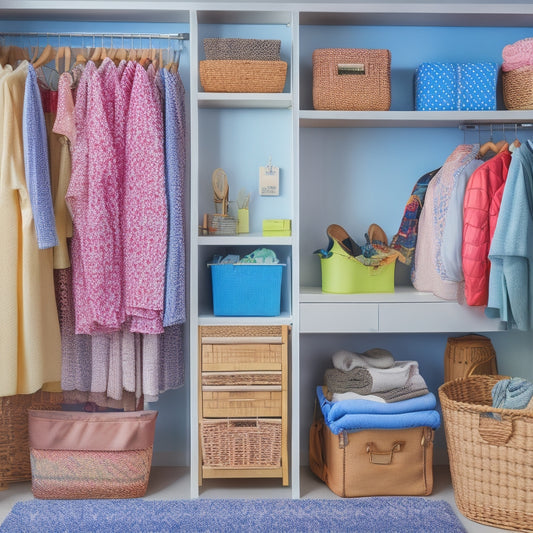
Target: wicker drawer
241 403
230 380
235 357
241 443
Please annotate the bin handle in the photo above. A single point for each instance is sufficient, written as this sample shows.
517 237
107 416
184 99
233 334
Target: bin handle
495 429
382 458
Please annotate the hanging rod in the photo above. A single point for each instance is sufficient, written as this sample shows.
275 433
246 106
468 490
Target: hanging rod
176 36
495 126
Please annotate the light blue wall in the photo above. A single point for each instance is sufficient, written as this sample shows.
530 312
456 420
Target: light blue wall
347 176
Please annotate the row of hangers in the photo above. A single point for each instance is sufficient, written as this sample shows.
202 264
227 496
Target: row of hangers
64 58
491 146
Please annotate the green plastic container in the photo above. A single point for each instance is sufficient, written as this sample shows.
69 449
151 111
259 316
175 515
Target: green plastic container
343 274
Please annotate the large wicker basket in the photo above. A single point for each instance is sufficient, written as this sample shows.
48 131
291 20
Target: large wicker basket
14 446
468 355
244 443
490 452
518 88
242 76
351 79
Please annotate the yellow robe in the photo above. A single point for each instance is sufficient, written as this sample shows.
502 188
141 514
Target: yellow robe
30 345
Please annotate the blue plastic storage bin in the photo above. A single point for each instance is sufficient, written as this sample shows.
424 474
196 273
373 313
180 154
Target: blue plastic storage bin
246 289
456 87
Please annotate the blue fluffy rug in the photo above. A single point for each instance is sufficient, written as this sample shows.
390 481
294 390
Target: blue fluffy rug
361 515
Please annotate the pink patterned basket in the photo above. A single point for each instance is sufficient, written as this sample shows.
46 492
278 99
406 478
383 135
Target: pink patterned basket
90 455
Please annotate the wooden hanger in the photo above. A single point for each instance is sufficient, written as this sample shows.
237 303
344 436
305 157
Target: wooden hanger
96 54
45 57
65 53
496 148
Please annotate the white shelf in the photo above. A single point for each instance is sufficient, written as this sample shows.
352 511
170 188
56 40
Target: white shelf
245 100
400 295
410 119
404 311
211 320
244 239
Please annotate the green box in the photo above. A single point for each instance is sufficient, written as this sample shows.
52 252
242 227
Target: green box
277 227
344 274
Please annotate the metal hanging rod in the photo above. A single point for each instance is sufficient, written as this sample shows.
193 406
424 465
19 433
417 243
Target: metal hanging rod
496 126
175 36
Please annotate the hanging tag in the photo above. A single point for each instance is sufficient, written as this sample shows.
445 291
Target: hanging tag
269 180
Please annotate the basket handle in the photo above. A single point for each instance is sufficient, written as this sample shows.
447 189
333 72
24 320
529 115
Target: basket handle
382 458
495 430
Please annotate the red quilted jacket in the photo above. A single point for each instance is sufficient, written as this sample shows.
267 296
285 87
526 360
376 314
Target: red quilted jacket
481 206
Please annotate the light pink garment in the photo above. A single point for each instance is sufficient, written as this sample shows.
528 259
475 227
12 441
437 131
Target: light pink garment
145 213
428 274
93 198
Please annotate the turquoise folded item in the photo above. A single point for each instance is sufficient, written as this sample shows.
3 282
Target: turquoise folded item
514 393
333 411
357 422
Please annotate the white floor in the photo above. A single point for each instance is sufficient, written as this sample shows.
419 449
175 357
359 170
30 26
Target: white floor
173 483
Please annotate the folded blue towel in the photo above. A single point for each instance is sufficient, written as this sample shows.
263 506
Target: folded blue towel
335 410
430 418
514 393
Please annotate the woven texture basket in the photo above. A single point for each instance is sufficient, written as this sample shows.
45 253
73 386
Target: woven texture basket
468 355
243 76
351 79
232 48
14 446
245 443
491 460
518 88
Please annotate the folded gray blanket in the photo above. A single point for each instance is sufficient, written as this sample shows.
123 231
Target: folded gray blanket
401 382
375 358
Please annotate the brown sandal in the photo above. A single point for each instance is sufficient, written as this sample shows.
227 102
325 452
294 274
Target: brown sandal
377 235
339 234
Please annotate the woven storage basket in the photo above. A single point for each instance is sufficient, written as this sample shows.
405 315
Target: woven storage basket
78 455
243 76
245 443
351 79
491 460
221 225
518 88
232 48
468 355
14 448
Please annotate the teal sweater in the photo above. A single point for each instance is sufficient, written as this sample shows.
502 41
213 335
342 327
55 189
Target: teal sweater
511 250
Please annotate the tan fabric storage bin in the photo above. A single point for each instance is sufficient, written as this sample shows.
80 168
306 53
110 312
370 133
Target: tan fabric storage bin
374 462
351 79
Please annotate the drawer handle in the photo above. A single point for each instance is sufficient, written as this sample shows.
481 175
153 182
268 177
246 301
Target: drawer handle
350 68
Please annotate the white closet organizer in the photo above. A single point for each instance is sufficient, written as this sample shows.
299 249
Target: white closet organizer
351 168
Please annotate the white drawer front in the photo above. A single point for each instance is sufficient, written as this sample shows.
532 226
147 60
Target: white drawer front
338 317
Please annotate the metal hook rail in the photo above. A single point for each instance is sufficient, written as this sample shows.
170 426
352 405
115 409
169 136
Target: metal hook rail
106 35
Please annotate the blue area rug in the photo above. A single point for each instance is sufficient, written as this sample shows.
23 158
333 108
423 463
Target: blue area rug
360 515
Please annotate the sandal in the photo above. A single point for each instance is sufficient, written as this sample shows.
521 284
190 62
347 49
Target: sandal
339 234
377 235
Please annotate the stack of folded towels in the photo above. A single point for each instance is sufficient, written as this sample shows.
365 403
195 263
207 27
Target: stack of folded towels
371 390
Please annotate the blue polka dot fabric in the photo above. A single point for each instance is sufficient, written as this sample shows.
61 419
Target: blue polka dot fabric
456 87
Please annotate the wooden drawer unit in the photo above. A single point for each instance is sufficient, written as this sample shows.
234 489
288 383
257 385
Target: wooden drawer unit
237 403
243 376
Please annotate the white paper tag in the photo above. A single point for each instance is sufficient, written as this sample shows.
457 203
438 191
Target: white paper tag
269 181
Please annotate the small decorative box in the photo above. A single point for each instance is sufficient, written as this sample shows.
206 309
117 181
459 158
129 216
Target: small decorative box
279 227
456 87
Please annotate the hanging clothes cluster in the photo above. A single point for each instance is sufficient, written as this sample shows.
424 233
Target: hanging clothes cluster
104 163
473 242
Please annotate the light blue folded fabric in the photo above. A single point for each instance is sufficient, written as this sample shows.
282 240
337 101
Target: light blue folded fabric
514 393
333 411
430 418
